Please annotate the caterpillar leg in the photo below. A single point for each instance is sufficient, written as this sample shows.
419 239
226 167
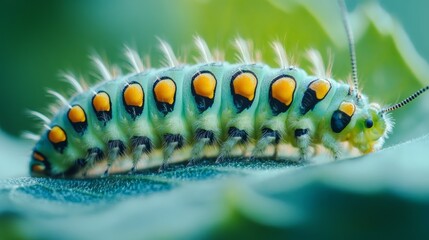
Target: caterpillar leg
93 155
235 136
172 142
269 136
303 141
276 151
115 149
243 150
140 145
332 145
203 138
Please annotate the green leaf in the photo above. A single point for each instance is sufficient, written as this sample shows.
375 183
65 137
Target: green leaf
269 198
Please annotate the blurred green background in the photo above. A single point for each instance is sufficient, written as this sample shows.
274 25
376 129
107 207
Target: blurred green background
39 39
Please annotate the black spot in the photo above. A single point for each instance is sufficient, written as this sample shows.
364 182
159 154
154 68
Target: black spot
369 123
172 138
267 132
339 121
164 107
111 144
309 100
60 146
300 132
103 116
141 140
134 111
80 127
235 132
203 103
95 151
278 107
202 133
81 162
241 102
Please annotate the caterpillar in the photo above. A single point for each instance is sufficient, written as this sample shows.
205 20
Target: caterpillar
210 103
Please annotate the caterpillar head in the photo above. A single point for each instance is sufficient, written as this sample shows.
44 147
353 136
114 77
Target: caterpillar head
371 128
372 123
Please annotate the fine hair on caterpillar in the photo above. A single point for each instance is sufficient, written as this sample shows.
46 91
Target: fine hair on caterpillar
211 107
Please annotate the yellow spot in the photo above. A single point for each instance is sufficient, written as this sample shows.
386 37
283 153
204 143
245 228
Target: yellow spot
165 90
101 102
57 135
133 95
204 85
321 87
37 168
347 108
245 85
38 156
76 114
283 89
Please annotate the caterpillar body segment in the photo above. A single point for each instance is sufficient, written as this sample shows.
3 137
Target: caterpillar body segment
280 89
321 131
241 83
166 109
202 105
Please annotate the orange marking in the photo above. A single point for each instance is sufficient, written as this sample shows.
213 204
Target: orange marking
101 102
38 156
204 85
133 95
165 90
76 114
57 135
321 87
282 90
37 168
347 108
245 85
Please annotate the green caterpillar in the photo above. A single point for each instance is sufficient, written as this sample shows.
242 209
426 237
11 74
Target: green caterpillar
212 103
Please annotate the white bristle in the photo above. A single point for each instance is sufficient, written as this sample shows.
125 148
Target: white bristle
71 79
134 59
30 136
102 67
60 97
316 60
170 58
202 47
244 53
280 52
40 116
